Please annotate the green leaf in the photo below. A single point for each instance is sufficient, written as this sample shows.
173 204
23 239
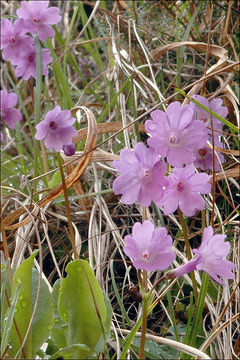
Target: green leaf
68 351
43 318
59 330
156 351
23 311
100 345
5 289
81 305
55 180
9 320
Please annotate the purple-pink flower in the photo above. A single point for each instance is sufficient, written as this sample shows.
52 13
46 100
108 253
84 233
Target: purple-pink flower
8 113
56 129
183 189
175 135
215 105
13 39
204 157
26 63
210 257
142 175
38 18
149 248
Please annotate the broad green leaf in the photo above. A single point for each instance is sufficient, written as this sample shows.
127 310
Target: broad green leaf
23 311
68 351
59 330
81 305
43 318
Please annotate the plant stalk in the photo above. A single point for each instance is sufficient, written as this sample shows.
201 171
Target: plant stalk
188 248
144 326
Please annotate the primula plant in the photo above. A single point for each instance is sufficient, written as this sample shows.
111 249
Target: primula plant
119 169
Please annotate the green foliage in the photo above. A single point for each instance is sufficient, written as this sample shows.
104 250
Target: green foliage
156 351
60 327
55 180
25 289
7 322
23 311
43 317
69 352
81 305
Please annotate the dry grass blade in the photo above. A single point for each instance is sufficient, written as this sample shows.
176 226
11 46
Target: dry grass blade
234 172
216 51
104 128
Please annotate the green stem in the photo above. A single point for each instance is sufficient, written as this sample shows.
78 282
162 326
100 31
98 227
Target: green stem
144 326
45 160
199 309
37 105
188 248
68 211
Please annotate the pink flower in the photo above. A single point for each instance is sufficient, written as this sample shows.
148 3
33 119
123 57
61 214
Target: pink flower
204 157
142 175
8 114
148 247
37 18
56 129
183 190
214 105
175 135
13 39
210 258
26 63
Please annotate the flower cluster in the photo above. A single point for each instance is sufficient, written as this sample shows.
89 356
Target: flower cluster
18 48
150 250
180 135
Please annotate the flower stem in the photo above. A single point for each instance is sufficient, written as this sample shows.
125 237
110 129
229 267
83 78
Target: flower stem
144 214
37 103
144 326
203 216
188 248
68 211
199 309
